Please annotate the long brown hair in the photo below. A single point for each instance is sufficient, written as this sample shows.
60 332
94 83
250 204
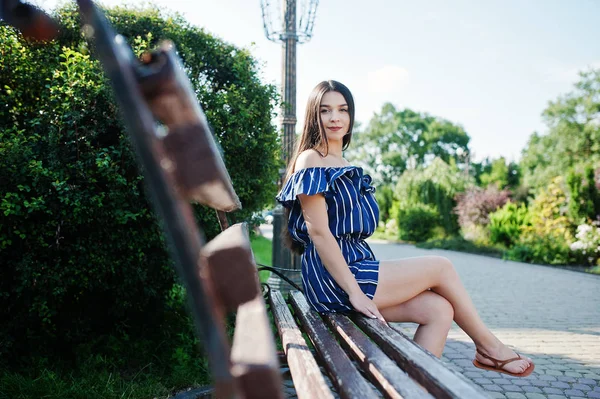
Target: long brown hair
314 137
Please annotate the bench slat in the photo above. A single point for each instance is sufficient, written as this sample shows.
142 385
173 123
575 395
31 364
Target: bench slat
191 154
231 267
425 368
308 380
253 358
386 374
345 376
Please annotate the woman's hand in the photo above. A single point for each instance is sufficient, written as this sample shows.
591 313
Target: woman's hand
364 305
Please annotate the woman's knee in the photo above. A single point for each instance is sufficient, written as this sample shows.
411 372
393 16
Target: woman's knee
445 265
434 308
438 309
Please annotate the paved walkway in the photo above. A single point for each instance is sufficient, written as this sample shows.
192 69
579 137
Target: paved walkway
551 315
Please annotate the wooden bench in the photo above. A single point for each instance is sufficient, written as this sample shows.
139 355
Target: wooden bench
182 165
363 357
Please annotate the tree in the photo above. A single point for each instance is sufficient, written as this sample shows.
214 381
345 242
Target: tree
397 140
573 138
499 173
437 186
81 251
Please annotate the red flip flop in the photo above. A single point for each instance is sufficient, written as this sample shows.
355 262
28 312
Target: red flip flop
499 365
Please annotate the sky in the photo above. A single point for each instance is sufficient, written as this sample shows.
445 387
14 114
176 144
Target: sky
490 66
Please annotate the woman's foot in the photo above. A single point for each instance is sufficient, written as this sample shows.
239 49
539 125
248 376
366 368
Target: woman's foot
496 358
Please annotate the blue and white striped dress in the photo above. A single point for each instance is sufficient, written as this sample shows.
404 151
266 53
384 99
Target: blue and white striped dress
353 215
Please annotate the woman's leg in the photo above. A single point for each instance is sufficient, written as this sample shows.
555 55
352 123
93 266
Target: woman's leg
401 280
432 312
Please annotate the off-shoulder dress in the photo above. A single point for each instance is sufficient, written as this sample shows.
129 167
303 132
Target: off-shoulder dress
353 216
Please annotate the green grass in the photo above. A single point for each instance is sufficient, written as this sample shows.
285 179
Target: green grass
165 360
157 365
263 254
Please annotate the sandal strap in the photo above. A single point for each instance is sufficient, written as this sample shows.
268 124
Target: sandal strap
499 363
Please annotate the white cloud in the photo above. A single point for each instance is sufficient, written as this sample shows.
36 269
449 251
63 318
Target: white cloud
388 79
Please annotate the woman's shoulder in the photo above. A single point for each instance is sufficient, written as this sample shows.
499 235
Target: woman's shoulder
310 158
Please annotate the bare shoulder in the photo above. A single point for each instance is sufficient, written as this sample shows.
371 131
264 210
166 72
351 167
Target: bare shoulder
309 159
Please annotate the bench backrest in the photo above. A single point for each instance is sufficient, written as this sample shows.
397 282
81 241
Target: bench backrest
181 164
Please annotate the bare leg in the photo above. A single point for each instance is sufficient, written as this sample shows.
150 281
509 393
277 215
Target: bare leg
434 315
401 280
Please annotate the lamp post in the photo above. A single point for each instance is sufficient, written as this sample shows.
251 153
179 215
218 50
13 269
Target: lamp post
284 25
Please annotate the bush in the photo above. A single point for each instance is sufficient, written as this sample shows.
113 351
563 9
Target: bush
385 200
475 204
82 252
436 186
547 238
588 243
507 223
417 222
544 250
584 199
458 243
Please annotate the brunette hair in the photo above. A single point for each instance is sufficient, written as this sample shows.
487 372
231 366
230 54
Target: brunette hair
314 137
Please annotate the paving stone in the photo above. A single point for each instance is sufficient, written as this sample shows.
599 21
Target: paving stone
557 372
529 388
593 394
496 395
559 384
592 376
557 397
566 378
533 395
552 390
587 381
540 383
493 388
574 392
482 381
501 381
548 378
582 387
573 374
456 355
515 395
473 374
512 388
521 381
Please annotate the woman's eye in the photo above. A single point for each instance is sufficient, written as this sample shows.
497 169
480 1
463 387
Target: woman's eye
344 110
323 111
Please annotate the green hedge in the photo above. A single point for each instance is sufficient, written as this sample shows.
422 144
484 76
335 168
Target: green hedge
81 251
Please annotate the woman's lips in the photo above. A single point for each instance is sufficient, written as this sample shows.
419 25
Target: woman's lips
335 129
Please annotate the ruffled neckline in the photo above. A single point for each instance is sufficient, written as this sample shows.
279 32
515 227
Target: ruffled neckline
328 167
365 179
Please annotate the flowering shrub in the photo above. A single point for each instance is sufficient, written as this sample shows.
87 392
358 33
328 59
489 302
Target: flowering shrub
588 242
474 205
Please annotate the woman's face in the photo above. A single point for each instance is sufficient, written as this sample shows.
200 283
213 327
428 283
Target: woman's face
335 116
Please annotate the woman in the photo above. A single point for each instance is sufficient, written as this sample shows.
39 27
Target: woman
332 210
